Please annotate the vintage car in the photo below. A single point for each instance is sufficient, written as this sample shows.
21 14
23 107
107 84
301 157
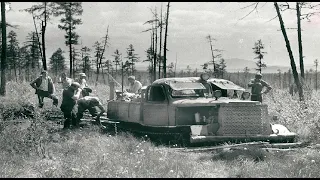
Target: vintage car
197 110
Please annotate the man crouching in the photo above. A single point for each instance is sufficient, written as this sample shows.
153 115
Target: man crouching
92 104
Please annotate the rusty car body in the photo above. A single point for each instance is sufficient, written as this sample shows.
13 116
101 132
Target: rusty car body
196 110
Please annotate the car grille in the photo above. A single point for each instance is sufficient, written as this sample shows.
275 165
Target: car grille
242 119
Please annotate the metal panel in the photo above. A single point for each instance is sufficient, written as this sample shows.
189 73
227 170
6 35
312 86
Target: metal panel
123 110
112 111
172 115
240 119
155 114
266 126
134 112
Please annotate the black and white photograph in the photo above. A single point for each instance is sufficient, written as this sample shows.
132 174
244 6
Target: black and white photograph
159 90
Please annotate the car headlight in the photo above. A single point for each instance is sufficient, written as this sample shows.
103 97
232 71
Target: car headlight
245 95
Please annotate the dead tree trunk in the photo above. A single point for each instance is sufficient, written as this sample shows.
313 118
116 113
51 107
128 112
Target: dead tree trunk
165 44
316 63
293 64
300 40
160 44
153 50
35 27
43 32
3 49
156 43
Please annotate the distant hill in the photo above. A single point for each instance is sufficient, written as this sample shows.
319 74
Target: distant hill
235 65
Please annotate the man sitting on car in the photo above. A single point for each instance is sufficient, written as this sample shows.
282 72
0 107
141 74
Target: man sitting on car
134 85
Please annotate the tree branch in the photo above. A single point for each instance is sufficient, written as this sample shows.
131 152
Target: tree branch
255 8
272 19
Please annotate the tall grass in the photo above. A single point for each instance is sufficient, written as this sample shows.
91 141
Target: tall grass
39 148
300 117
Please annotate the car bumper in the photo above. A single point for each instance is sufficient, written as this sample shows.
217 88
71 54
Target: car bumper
272 138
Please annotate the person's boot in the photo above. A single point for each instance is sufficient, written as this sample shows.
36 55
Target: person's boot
75 123
55 102
66 124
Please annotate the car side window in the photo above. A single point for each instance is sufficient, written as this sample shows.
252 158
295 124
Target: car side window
156 94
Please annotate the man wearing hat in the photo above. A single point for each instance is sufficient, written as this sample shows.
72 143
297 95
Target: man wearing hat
257 85
83 85
134 85
69 101
82 80
44 88
65 81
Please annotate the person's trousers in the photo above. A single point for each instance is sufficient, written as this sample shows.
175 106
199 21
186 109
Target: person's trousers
92 110
256 97
69 114
42 94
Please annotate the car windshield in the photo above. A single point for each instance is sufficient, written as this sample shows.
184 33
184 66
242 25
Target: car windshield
187 89
186 93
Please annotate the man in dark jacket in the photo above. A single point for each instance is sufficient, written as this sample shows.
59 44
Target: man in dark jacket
92 104
44 88
68 105
257 85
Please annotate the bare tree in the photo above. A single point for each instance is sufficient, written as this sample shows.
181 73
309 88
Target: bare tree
292 62
101 53
42 12
165 44
300 39
316 64
283 30
3 49
215 65
160 45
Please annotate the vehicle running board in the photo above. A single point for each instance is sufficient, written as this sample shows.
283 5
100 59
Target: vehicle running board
263 145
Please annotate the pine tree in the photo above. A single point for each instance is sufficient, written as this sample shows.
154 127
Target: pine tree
13 53
57 62
258 47
222 68
132 57
68 23
86 65
117 59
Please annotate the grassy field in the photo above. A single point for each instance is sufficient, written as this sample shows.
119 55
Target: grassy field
39 148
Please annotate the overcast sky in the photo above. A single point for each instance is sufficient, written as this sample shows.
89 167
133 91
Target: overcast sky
189 24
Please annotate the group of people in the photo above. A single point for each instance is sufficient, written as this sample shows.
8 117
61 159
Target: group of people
75 97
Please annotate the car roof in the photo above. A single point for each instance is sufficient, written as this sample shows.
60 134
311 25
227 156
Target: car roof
221 83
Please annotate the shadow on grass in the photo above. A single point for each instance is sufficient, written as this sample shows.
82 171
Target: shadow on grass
231 154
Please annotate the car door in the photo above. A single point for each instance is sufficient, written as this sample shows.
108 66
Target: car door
155 107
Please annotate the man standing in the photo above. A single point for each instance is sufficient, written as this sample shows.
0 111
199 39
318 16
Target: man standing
134 85
44 88
92 104
257 85
82 80
69 101
65 81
